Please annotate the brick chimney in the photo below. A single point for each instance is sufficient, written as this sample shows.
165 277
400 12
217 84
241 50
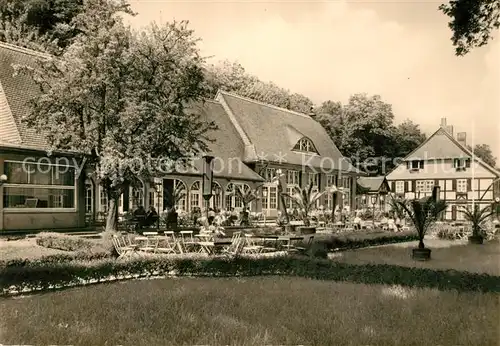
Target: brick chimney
447 128
462 138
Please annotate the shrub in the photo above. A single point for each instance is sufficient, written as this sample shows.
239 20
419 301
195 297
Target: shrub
354 240
45 273
76 244
451 233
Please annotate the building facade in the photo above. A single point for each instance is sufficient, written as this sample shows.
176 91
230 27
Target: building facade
445 161
252 142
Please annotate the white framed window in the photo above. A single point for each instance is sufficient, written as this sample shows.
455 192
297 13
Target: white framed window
400 186
346 185
180 187
313 178
305 145
195 195
137 194
331 180
39 186
461 163
292 177
415 164
424 185
103 200
269 174
462 185
290 189
216 200
232 200
89 197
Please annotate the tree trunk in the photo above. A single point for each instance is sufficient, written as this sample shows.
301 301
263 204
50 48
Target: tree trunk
112 218
334 206
283 205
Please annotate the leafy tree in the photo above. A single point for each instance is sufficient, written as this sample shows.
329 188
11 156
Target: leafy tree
232 77
121 97
472 22
39 24
408 137
483 151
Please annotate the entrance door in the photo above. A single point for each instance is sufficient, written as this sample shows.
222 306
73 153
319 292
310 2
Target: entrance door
270 200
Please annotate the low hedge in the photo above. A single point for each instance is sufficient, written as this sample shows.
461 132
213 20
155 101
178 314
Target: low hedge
75 244
355 240
46 274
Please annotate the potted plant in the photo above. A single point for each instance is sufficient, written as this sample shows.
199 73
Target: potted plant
305 199
423 214
477 217
246 197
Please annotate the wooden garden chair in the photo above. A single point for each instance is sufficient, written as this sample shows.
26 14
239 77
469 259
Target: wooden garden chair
187 240
250 246
236 245
152 241
122 247
169 244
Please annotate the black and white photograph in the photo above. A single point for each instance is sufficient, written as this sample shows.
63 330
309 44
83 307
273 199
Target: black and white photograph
250 172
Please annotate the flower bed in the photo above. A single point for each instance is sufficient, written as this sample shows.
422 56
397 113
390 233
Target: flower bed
24 276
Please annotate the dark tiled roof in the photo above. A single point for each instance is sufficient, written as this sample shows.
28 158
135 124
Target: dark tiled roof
273 132
228 147
18 91
372 184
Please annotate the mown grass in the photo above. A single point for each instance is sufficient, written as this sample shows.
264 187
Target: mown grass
250 311
446 254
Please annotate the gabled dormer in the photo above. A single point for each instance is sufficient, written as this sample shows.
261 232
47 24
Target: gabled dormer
305 145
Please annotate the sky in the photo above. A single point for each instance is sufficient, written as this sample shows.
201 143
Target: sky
329 50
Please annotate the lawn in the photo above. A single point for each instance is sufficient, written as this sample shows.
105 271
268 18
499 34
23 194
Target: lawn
25 248
446 254
252 311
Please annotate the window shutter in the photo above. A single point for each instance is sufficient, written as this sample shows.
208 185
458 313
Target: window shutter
467 163
453 212
454 185
393 186
414 186
455 163
409 186
469 187
405 186
408 164
421 164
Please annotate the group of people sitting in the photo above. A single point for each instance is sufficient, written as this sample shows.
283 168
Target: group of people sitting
387 222
145 218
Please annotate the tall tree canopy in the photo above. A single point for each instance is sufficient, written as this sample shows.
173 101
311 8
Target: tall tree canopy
483 151
472 22
121 97
363 130
232 77
39 24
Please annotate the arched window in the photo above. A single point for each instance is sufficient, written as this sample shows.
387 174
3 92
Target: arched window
137 194
216 200
195 195
89 197
180 187
232 200
305 145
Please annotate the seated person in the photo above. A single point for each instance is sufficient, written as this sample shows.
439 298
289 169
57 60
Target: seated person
357 222
140 215
151 217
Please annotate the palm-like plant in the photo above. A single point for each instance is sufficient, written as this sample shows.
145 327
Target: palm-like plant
476 217
396 207
246 196
423 213
178 193
305 199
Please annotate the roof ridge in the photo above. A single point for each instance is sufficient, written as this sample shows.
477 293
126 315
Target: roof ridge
24 50
264 104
